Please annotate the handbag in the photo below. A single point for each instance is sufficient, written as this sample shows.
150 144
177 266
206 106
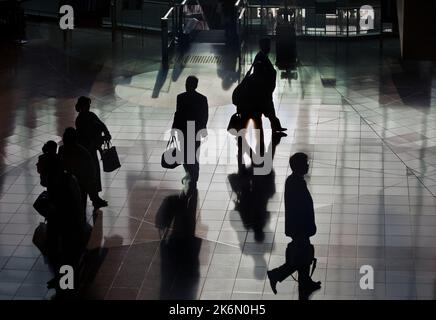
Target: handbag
168 159
42 204
40 238
235 124
242 93
109 157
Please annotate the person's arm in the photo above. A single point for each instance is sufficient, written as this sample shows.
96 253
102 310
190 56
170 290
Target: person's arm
205 114
288 209
310 217
177 114
102 126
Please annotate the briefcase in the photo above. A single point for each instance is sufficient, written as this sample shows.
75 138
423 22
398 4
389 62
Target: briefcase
168 158
109 157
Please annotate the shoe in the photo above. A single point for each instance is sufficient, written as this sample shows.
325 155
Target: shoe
281 129
272 281
305 290
99 203
279 134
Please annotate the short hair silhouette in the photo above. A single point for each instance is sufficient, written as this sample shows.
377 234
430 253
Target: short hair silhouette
83 103
70 136
191 83
50 147
298 163
265 45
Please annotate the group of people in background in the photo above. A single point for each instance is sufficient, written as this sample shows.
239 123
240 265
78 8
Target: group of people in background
71 174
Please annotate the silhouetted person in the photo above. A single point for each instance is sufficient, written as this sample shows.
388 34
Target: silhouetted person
91 133
300 226
192 110
66 220
265 70
49 150
78 161
252 109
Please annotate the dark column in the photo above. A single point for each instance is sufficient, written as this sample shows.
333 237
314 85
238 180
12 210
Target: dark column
417 29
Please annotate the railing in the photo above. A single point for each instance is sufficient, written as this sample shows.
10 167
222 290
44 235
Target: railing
172 29
168 38
346 22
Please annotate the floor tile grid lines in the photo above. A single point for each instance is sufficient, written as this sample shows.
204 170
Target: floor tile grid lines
358 213
399 158
386 270
130 246
155 255
338 168
227 244
201 290
326 164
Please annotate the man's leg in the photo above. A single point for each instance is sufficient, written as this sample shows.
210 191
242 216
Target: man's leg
260 138
280 274
242 143
275 122
193 170
306 286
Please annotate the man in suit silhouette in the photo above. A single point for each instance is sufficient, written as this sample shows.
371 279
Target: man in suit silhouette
300 226
191 119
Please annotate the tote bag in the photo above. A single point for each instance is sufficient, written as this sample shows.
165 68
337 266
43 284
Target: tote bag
109 157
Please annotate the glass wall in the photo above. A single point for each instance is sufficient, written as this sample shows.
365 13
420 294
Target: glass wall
341 19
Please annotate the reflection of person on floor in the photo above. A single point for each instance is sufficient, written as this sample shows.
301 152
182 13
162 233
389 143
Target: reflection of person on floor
265 70
180 265
92 133
253 193
191 114
300 226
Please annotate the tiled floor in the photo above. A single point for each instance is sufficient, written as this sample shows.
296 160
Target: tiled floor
371 136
